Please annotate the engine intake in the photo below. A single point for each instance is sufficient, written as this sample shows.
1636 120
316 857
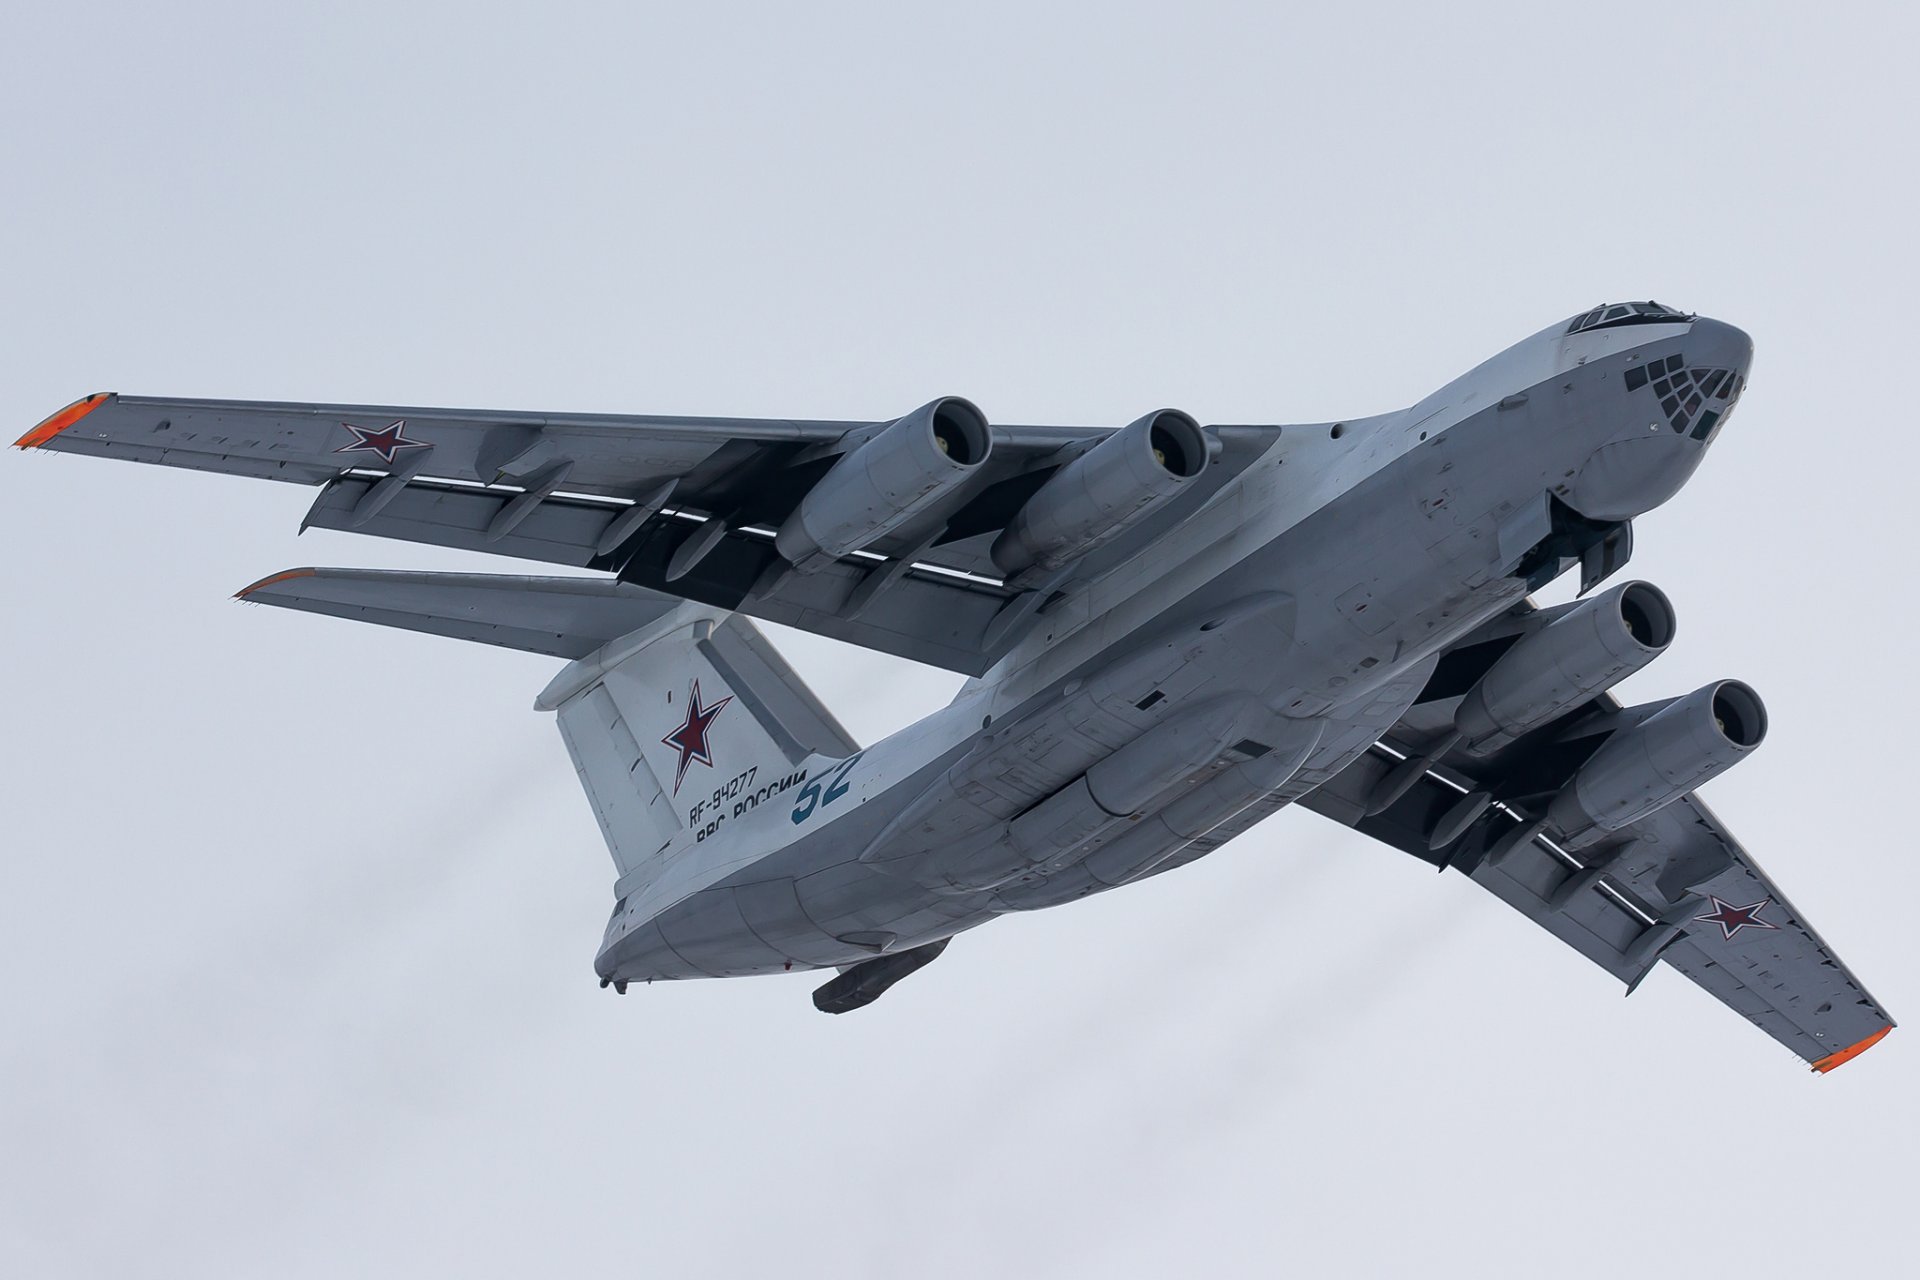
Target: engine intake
1579 655
1642 769
1103 492
909 466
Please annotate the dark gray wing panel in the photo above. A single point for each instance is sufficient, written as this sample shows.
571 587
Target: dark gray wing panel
1674 887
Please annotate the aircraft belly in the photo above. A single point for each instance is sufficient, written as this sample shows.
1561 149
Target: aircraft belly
1035 751
641 954
771 908
851 899
1137 729
709 933
765 928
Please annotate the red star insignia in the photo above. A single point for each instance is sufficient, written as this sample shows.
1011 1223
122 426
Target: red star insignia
387 442
1732 919
690 739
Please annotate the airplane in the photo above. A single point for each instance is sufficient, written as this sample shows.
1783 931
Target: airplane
1170 631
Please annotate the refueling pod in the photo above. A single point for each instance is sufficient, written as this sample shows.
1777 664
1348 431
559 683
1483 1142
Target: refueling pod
1103 492
1579 655
909 466
1647 766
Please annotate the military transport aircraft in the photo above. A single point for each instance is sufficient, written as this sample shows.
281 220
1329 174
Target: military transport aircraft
1172 630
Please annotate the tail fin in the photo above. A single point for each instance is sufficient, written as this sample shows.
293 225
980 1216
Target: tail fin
664 703
660 723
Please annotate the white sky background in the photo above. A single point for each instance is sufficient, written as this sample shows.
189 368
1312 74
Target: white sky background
297 917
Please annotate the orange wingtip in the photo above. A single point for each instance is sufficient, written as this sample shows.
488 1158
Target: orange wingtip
1851 1052
61 421
266 582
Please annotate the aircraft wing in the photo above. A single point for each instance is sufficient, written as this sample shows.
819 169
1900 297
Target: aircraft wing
685 506
1674 887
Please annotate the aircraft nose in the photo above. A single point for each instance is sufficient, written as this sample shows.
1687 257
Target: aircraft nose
1694 390
1715 344
1697 387
1719 355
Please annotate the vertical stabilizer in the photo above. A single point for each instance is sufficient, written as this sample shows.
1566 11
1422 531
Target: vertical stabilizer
660 720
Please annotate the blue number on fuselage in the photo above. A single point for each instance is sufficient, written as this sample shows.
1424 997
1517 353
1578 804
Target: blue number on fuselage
811 796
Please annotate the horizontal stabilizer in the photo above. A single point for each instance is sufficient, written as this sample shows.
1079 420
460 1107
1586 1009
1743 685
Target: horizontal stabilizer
562 617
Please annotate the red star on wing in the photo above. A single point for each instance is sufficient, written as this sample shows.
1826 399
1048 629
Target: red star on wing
387 442
690 739
1732 919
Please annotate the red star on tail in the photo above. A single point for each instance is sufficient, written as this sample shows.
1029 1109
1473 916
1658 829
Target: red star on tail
690 739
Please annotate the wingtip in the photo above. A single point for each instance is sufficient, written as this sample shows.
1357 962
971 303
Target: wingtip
54 425
1851 1052
270 579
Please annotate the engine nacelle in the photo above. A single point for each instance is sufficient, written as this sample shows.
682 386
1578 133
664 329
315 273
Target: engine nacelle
1103 492
910 465
1577 656
1642 769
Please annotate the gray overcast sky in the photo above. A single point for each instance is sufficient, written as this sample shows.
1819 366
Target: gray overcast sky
298 916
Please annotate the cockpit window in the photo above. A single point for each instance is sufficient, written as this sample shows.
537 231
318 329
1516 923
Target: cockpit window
1685 394
1621 313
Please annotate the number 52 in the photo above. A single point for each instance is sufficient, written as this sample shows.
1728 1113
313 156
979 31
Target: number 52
812 797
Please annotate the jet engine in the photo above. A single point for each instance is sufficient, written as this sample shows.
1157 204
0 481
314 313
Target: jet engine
1643 768
1103 492
910 465
1578 655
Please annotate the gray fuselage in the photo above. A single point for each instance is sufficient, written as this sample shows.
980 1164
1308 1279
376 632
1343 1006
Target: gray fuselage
1253 653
